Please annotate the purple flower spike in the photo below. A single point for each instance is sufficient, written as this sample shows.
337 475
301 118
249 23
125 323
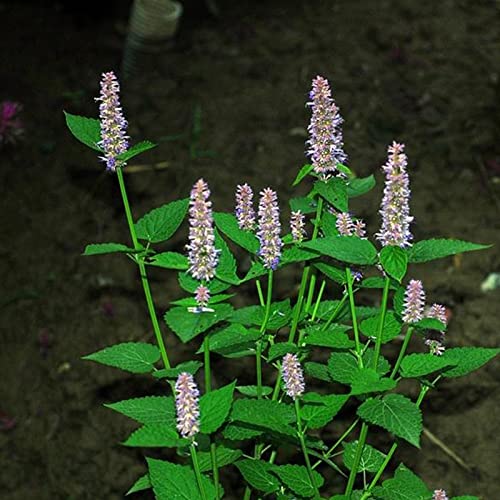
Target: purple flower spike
395 209
326 142
202 296
114 138
344 224
437 311
359 228
414 302
245 212
269 229
439 495
11 127
187 405
202 255
292 376
297 224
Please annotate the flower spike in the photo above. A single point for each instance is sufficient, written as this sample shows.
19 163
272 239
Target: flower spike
187 405
269 229
244 211
297 224
414 302
292 376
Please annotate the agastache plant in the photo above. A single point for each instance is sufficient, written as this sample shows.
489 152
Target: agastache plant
318 353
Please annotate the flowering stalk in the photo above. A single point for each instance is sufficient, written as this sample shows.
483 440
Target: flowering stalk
439 495
414 302
325 142
187 405
292 374
395 209
244 211
297 225
435 340
269 229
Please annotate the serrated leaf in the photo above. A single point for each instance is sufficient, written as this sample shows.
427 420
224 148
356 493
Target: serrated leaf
143 483
189 284
360 185
256 270
296 254
304 204
371 458
334 337
155 436
334 191
394 260
317 370
169 260
398 301
251 390
231 339
296 478
419 365
215 407
303 172
328 307
86 130
366 380
161 223
405 485
392 327
318 410
176 482
188 366
349 249
467 359
328 224
238 431
280 349
427 250
149 410
104 248
376 282
257 474
430 324
225 456
395 413
334 273
135 357
228 224
135 150
226 266
279 316
187 325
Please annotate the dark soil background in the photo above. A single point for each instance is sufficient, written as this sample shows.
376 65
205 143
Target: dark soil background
425 73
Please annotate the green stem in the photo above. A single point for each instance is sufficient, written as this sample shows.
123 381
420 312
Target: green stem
352 305
357 458
197 471
402 352
318 300
383 310
142 270
267 313
259 292
303 446
336 311
310 294
298 305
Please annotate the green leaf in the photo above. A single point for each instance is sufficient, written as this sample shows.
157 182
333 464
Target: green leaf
366 380
135 150
251 390
430 324
143 483
343 366
215 407
334 191
304 204
86 130
396 414
404 486
228 224
279 316
376 282
135 357
257 474
161 223
237 431
467 359
303 172
225 456
103 248
427 250
280 349
317 370
350 249
394 260
226 266
334 273
296 478
419 365
155 436
187 325
189 284
296 254
328 224
318 410
169 260
399 300
188 366
392 327
176 482
256 270
371 458
232 339
360 185
149 410
334 337
466 497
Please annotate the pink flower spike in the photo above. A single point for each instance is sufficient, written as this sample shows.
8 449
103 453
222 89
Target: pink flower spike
245 213
414 302
297 224
437 311
269 228
187 405
439 495
293 377
202 296
344 224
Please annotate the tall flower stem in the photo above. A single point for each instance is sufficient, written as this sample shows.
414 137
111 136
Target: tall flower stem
197 472
336 311
402 352
142 270
357 458
383 311
352 306
298 305
301 434
267 313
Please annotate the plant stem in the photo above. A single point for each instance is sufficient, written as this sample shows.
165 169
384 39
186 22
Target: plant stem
318 300
267 313
383 310
402 352
196 467
336 311
310 294
352 305
142 270
259 292
303 446
298 305
357 458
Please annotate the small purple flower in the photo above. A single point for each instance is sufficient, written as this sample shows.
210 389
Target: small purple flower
11 127
202 255
395 209
187 405
359 228
297 224
414 302
437 311
435 340
439 495
293 377
202 296
326 142
269 228
114 138
344 224
244 211
436 347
